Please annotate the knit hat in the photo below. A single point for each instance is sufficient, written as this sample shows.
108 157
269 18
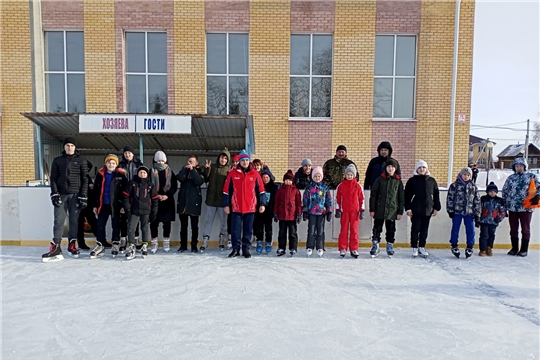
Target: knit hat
129 148
243 155
351 169
160 155
70 140
288 176
419 164
519 161
306 162
492 187
111 157
317 170
341 147
465 170
236 158
143 168
391 162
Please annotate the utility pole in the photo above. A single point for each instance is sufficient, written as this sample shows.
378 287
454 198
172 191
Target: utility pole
527 142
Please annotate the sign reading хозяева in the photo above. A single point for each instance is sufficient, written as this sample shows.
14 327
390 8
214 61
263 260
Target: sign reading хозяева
141 124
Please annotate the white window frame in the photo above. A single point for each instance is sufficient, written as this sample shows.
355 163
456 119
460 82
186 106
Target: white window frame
65 72
146 73
394 77
311 76
227 74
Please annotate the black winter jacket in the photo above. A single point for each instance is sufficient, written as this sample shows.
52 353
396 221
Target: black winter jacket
189 197
422 195
377 165
140 197
166 209
68 175
301 180
117 186
130 166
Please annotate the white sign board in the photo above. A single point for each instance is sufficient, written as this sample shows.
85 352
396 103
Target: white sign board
106 123
461 117
163 124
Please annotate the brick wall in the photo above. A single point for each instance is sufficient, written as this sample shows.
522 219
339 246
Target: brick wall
398 16
226 15
309 139
62 14
313 16
1 152
142 15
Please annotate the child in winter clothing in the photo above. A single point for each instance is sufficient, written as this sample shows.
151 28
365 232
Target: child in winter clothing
243 190
463 203
262 224
110 184
166 185
386 203
514 193
493 212
349 209
422 201
316 206
140 203
131 164
288 211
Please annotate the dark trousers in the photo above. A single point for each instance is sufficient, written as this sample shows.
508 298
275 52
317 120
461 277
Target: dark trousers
241 228
487 236
145 225
124 226
154 229
284 226
68 207
517 218
87 214
184 230
262 227
315 237
419 230
390 230
103 217
229 224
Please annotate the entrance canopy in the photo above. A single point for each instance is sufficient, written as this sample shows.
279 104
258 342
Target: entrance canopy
176 134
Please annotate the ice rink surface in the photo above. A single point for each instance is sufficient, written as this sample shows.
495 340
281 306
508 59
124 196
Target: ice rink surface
206 306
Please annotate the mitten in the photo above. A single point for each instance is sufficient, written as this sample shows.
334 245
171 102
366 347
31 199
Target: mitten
82 202
328 216
276 218
305 216
56 199
477 223
338 214
298 218
451 214
535 200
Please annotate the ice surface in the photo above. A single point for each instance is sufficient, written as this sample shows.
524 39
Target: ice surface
206 306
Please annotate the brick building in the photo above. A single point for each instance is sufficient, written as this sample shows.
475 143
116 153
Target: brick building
313 74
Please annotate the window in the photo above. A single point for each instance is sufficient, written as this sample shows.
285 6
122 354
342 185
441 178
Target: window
146 72
227 74
311 76
395 76
535 160
481 162
64 71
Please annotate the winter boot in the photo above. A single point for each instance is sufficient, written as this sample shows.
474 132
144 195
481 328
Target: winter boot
355 254
482 253
422 252
280 252
468 252
222 239
524 248
414 252
115 247
144 249
515 246
54 254
72 249
97 251
489 251
259 247
268 247
309 252
342 253
166 244
130 251
122 248
154 245
390 249
455 251
204 245
246 254
82 245
194 247
374 248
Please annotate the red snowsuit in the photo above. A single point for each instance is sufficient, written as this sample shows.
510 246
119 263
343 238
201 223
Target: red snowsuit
350 201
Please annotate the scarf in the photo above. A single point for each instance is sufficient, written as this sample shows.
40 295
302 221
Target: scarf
155 176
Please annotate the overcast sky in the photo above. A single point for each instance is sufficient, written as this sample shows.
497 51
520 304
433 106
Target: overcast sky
506 75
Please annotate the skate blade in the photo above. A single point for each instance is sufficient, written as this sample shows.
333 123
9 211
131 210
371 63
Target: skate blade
166 250
153 252
97 256
53 259
75 256
114 255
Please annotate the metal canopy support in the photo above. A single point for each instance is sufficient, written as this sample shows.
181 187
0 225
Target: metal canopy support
141 148
40 155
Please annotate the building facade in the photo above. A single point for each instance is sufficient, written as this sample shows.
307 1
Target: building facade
313 74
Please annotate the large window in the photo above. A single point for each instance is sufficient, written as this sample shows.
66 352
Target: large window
64 71
227 69
311 76
395 76
146 72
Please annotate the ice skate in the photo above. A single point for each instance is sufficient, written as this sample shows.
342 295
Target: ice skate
355 254
166 245
292 252
259 248
222 239
246 254
268 247
98 251
320 252
309 252
114 249
280 252
374 252
122 245
130 251
390 249
72 249
204 245
54 254
234 254
455 251
422 252
414 252
342 253
468 253
144 249
229 244
154 245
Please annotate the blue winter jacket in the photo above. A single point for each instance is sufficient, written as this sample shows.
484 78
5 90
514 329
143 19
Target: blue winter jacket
493 211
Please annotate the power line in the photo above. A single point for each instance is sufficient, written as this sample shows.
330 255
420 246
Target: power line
519 122
497 127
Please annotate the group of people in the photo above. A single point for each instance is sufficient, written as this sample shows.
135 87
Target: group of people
244 196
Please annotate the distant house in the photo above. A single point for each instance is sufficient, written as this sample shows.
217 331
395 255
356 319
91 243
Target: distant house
507 156
479 152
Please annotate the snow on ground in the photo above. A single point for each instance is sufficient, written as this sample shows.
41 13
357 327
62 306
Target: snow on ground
206 306
497 176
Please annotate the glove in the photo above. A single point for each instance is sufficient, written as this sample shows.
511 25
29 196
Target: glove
82 202
338 214
476 223
305 216
535 200
153 217
298 218
328 216
276 218
361 215
56 199
451 214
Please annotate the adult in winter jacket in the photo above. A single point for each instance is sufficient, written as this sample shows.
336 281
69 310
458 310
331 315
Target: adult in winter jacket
262 223
288 211
189 202
302 178
131 164
422 201
215 175
69 189
493 212
166 185
334 169
463 204
111 182
514 192
377 165
386 204
86 215
242 192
